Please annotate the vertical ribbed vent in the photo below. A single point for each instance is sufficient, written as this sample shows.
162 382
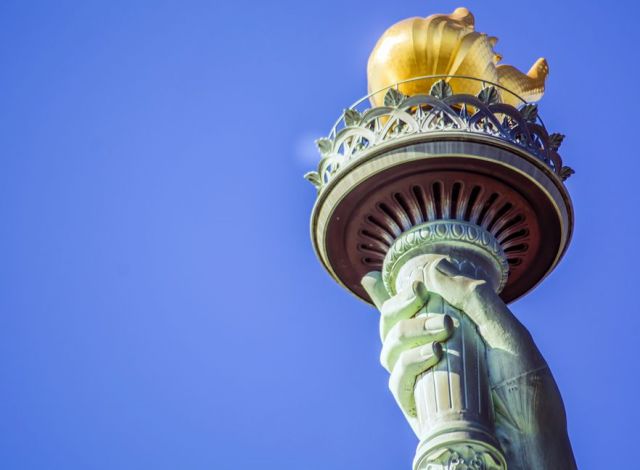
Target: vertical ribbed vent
439 200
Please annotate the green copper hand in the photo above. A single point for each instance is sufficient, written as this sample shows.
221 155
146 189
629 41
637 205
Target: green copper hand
528 406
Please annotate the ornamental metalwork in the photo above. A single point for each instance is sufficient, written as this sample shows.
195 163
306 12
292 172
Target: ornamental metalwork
450 232
440 112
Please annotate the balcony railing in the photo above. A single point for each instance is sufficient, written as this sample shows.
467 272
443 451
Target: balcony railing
362 127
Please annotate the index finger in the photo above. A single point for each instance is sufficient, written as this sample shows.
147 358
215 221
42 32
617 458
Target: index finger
403 305
372 283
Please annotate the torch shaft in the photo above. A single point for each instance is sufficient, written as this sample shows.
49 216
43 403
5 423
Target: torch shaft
453 399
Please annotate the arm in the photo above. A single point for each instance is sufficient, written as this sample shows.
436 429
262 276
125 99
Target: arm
530 416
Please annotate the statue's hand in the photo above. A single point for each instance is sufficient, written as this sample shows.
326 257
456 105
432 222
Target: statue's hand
410 344
510 347
529 410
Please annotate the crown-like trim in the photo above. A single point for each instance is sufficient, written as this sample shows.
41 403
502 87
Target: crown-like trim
440 112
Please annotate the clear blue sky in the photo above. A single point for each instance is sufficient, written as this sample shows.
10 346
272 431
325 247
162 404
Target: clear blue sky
160 303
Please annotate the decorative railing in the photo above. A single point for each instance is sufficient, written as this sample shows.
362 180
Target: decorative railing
441 111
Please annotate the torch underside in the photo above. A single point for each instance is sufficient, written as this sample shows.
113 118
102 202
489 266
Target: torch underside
497 187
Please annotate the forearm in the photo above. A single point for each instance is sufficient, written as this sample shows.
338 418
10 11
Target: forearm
531 422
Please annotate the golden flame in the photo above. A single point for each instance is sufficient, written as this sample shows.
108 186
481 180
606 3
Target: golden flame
447 45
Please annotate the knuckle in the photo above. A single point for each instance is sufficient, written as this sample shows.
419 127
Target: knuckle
405 361
387 309
384 359
394 384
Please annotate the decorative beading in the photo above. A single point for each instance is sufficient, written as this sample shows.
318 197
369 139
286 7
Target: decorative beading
441 232
439 112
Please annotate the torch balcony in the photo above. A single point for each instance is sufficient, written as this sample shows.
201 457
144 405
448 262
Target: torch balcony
440 114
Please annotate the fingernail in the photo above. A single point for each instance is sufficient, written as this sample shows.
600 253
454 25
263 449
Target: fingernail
420 290
448 323
446 267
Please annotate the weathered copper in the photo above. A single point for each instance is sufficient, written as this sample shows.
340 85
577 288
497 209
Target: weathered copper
460 181
438 204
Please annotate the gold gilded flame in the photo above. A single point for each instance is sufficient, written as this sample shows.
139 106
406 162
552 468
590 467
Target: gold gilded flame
447 45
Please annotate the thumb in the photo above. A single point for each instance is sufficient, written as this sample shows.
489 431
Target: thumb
445 279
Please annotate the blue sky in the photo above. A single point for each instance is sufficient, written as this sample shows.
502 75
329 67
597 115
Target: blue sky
160 303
